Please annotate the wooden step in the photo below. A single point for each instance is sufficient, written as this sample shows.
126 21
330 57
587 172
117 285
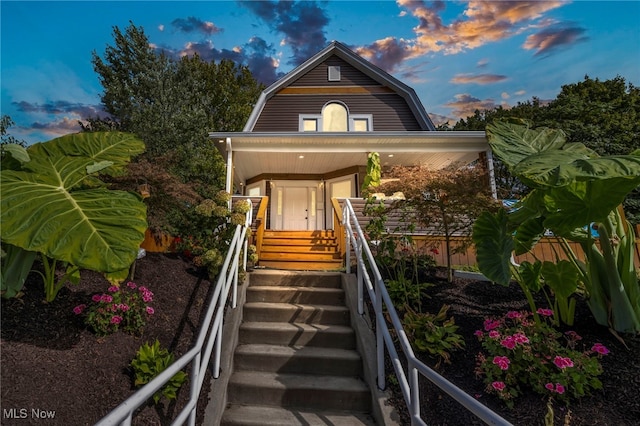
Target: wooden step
302 266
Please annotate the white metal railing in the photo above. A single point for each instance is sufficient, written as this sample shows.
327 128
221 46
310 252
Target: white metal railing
379 296
208 344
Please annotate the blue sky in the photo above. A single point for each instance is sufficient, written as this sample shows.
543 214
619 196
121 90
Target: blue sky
457 55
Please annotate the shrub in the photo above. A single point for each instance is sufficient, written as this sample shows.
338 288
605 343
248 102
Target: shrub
520 352
433 334
150 361
121 308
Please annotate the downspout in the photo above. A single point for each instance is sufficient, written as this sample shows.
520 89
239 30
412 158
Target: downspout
229 183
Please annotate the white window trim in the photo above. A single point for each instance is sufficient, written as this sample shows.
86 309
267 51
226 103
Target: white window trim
351 118
367 117
303 117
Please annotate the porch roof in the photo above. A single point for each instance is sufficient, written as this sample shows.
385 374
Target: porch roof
256 153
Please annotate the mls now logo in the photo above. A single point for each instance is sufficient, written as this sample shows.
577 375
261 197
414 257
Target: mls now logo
23 413
15 413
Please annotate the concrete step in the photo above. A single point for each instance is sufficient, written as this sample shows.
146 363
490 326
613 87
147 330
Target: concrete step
288 334
293 313
237 415
298 360
302 295
295 279
302 391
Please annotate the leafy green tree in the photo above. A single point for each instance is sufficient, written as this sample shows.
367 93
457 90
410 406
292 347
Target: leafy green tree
172 104
602 115
5 138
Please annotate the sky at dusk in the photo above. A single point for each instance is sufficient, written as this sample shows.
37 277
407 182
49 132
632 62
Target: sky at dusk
458 55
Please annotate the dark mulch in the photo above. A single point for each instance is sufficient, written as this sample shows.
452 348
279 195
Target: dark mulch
50 361
618 403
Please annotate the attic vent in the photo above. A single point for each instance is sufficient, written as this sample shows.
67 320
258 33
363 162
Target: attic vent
334 73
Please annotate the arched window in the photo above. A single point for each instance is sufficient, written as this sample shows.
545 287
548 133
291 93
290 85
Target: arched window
335 118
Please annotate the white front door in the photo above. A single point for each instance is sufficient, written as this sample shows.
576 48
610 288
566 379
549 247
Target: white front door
296 208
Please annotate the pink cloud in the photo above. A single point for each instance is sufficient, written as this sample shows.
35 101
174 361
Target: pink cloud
477 78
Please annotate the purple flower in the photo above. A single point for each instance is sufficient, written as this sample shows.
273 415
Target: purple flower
79 309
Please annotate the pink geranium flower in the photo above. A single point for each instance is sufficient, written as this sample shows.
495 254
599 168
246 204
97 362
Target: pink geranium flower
114 289
96 298
545 312
131 284
490 324
508 342
150 310
600 348
499 386
116 319
562 362
513 314
559 388
494 334
502 362
550 387
79 309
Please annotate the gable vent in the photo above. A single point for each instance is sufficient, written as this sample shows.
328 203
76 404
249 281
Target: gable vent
334 73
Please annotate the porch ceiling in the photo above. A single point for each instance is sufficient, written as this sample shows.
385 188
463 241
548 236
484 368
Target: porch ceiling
319 153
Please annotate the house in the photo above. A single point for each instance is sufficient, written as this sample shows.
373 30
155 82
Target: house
309 135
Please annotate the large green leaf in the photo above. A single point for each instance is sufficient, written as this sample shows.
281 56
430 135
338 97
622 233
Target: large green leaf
494 246
561 277
514 143
581 203
563 167
46 208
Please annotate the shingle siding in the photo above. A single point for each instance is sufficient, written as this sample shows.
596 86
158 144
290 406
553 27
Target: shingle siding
349 76
390 112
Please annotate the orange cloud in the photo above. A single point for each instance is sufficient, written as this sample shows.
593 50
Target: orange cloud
477 79
482 22
465 105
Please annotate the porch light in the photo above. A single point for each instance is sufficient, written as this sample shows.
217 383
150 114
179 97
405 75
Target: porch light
300 156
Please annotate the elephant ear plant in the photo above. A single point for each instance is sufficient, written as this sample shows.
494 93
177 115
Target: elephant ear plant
572 189
54 204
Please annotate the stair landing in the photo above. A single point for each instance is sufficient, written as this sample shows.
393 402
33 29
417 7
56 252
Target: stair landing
301 250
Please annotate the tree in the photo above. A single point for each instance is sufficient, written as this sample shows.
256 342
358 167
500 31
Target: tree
447 201
5 138
172 104
602 115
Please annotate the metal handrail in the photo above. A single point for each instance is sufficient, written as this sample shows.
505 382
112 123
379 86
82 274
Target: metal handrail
379 297
209 342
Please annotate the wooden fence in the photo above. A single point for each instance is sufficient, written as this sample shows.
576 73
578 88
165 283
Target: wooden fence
548 248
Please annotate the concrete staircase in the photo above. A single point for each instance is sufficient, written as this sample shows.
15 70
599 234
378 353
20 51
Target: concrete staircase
300 250
296 362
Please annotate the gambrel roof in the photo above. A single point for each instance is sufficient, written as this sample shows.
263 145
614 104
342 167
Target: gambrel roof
365 67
